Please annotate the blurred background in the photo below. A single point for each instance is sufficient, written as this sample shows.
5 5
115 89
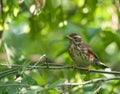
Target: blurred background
31 28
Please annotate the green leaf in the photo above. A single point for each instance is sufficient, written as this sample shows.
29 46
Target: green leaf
28 80
56 83
25 65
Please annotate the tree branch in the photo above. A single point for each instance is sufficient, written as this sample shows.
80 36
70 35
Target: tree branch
8 72
8 85
56 66
68 84
16 68
90 81
50 66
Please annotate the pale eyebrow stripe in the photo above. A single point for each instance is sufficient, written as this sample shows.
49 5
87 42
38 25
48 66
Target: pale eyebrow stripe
77 36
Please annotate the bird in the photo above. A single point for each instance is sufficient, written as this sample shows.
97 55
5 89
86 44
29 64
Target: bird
82 54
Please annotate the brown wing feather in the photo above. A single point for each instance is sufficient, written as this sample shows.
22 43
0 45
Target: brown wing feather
90 52
94 57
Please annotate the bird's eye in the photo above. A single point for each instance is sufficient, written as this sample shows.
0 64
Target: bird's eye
76 39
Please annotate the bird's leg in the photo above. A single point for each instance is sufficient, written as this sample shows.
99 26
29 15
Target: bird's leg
89 68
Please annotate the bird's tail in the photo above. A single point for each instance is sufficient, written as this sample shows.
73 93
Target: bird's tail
108 69
102 65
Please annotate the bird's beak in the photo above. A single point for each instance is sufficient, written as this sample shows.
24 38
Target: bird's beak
70 38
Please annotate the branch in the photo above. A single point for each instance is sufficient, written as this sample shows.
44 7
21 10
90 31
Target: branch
8 72
55 66
90 81
50 66
68 84
8 85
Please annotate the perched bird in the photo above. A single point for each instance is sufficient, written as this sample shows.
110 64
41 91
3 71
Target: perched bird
82 54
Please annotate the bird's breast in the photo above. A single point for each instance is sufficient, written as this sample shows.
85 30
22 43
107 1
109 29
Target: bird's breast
79 56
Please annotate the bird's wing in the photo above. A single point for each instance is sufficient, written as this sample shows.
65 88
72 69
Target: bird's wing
90 52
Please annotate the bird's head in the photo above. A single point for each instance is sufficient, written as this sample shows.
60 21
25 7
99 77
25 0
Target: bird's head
74 38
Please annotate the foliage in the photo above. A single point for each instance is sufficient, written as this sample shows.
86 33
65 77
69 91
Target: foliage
28 35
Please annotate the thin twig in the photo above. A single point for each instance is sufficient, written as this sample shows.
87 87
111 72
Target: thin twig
69 84
52 66
8 85
8 72
72 67
90 81
41 59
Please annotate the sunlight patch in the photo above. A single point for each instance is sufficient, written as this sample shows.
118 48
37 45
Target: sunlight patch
110 49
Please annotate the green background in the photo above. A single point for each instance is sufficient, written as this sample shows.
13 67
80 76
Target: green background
26 36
